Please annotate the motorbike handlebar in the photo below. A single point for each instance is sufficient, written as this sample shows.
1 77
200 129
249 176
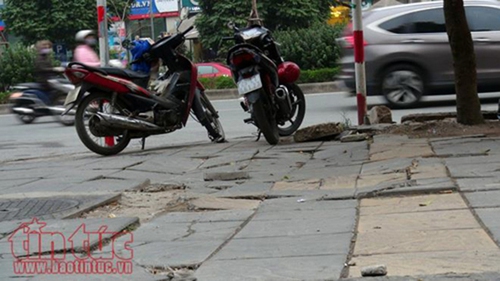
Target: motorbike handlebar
187 30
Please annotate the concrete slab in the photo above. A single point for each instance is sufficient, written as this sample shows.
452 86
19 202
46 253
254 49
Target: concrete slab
216 203
339 182
466 146
489 216
207 216
390 146
314 195
482 199
385 180
248 189
419 203
299 223
109 185
431 263
224 158
478 184
286 246
292 268
142 176
291 204
418 221
311 184
174 254
384 242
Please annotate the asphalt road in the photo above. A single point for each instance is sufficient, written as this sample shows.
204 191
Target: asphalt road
46 138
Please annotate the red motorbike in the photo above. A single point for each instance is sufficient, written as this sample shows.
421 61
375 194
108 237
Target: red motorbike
114 106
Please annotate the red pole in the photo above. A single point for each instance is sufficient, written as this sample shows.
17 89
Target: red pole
359 61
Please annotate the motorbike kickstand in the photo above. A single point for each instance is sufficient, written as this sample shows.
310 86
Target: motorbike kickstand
258 135
143 143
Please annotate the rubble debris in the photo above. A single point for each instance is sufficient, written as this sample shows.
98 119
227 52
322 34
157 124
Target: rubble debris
324 131
380 114
374 270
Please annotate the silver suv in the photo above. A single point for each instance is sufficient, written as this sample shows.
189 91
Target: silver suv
407 53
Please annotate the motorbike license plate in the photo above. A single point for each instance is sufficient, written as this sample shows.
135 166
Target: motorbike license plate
72 95
248 85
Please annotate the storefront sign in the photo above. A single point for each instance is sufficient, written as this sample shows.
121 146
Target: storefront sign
192 5
161 8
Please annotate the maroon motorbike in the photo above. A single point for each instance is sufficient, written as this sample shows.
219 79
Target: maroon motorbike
114 105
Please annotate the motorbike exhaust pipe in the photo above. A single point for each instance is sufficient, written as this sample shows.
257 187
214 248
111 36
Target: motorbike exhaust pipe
126 123
283 101
23 110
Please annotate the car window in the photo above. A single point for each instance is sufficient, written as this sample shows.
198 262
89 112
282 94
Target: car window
204 69
428 21
483 18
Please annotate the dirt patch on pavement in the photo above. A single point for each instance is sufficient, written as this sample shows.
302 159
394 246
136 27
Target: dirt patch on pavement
443 128
146 203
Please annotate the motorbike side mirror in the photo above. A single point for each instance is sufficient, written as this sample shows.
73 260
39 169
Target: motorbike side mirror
126 43
232 26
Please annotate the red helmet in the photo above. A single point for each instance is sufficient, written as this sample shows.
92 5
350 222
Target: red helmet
288 72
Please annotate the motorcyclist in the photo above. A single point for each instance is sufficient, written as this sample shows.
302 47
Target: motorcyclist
84 52
45 71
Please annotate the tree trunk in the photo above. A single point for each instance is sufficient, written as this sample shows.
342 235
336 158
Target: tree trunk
464 63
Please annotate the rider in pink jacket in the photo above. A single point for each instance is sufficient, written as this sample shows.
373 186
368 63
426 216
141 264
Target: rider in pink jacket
84 52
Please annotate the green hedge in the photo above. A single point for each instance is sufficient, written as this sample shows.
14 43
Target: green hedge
221 82
4 97
16 66
306 76
311 48
318 75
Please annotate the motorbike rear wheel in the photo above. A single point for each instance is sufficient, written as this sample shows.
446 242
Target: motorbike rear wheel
87 109
264 119
298 111
26 118
211 120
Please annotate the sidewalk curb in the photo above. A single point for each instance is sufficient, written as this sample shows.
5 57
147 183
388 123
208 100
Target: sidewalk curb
310 88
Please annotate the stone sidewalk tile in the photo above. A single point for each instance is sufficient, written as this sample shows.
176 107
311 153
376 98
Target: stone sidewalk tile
418 221
339 182
378 243
478 184
171 165
224 158
342 154
7 270
421 235
483 199
389 146
408 204
311 184
247 189
108 185
431 263
291 204
473 170
327 267
286 246
299 223
217 203
407 187
489 217
466 147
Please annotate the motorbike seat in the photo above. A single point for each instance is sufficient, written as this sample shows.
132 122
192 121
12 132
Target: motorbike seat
124 73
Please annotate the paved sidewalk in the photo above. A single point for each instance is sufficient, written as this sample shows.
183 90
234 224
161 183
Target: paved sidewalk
426 208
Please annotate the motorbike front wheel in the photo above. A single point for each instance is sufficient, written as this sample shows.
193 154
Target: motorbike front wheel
26 118
262 115
210 120
87 129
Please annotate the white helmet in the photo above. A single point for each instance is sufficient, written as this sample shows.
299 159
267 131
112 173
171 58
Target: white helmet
80 35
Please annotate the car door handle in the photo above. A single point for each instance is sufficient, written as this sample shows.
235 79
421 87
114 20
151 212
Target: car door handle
413 41
482 40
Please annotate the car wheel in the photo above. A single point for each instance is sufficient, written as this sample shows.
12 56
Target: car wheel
402 86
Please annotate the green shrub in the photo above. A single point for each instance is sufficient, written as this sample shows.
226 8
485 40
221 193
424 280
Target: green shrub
318 75
221 82
311 48
16 66
4 97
